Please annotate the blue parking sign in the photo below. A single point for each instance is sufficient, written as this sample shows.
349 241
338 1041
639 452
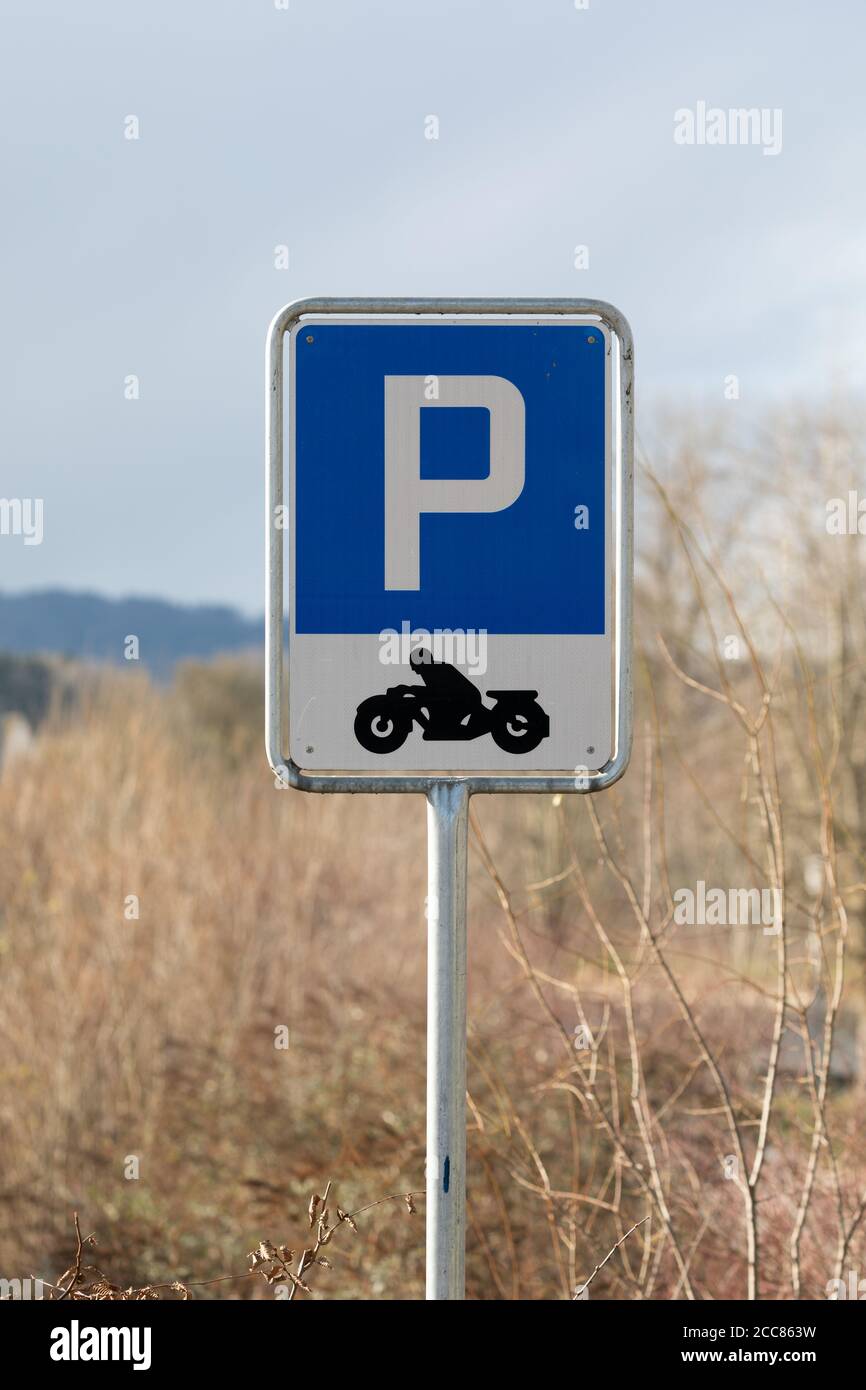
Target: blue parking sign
522 568
450 542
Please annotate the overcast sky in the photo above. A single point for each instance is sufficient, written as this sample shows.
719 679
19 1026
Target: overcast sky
261 127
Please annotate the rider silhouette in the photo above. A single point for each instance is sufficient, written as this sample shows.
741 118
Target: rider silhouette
448 706
453 697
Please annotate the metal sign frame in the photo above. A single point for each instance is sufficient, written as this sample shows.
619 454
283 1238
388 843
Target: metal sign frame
276 706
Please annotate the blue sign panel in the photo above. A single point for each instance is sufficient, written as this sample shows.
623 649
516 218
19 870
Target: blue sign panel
509 417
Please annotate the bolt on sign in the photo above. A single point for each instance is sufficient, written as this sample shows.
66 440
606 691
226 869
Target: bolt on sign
452 485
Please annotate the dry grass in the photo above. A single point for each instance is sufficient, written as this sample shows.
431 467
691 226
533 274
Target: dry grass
687 1118
86 1281
154 1039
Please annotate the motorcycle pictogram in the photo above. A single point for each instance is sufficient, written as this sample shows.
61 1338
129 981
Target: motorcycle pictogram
449 707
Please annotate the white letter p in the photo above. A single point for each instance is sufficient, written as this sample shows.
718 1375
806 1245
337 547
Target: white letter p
407 494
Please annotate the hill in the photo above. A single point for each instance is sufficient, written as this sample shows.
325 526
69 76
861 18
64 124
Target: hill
92 628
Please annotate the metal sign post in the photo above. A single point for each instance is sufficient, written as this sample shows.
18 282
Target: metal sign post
457 511
447 836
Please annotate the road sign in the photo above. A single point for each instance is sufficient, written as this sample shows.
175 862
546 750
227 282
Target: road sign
458 520
452 557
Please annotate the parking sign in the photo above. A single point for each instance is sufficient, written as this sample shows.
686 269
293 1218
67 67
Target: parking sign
455 525
455 513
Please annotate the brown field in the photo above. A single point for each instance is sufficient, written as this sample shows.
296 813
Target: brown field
622 1065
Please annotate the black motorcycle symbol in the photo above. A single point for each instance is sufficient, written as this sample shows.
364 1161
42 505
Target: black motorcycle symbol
449 706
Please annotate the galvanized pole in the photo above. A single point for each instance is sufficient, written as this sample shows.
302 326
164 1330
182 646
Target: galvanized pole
447 834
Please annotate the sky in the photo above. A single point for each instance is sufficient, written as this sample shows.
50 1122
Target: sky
306 127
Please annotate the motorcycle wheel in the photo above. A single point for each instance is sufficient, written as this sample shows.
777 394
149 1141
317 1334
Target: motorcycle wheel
380 725
519 729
